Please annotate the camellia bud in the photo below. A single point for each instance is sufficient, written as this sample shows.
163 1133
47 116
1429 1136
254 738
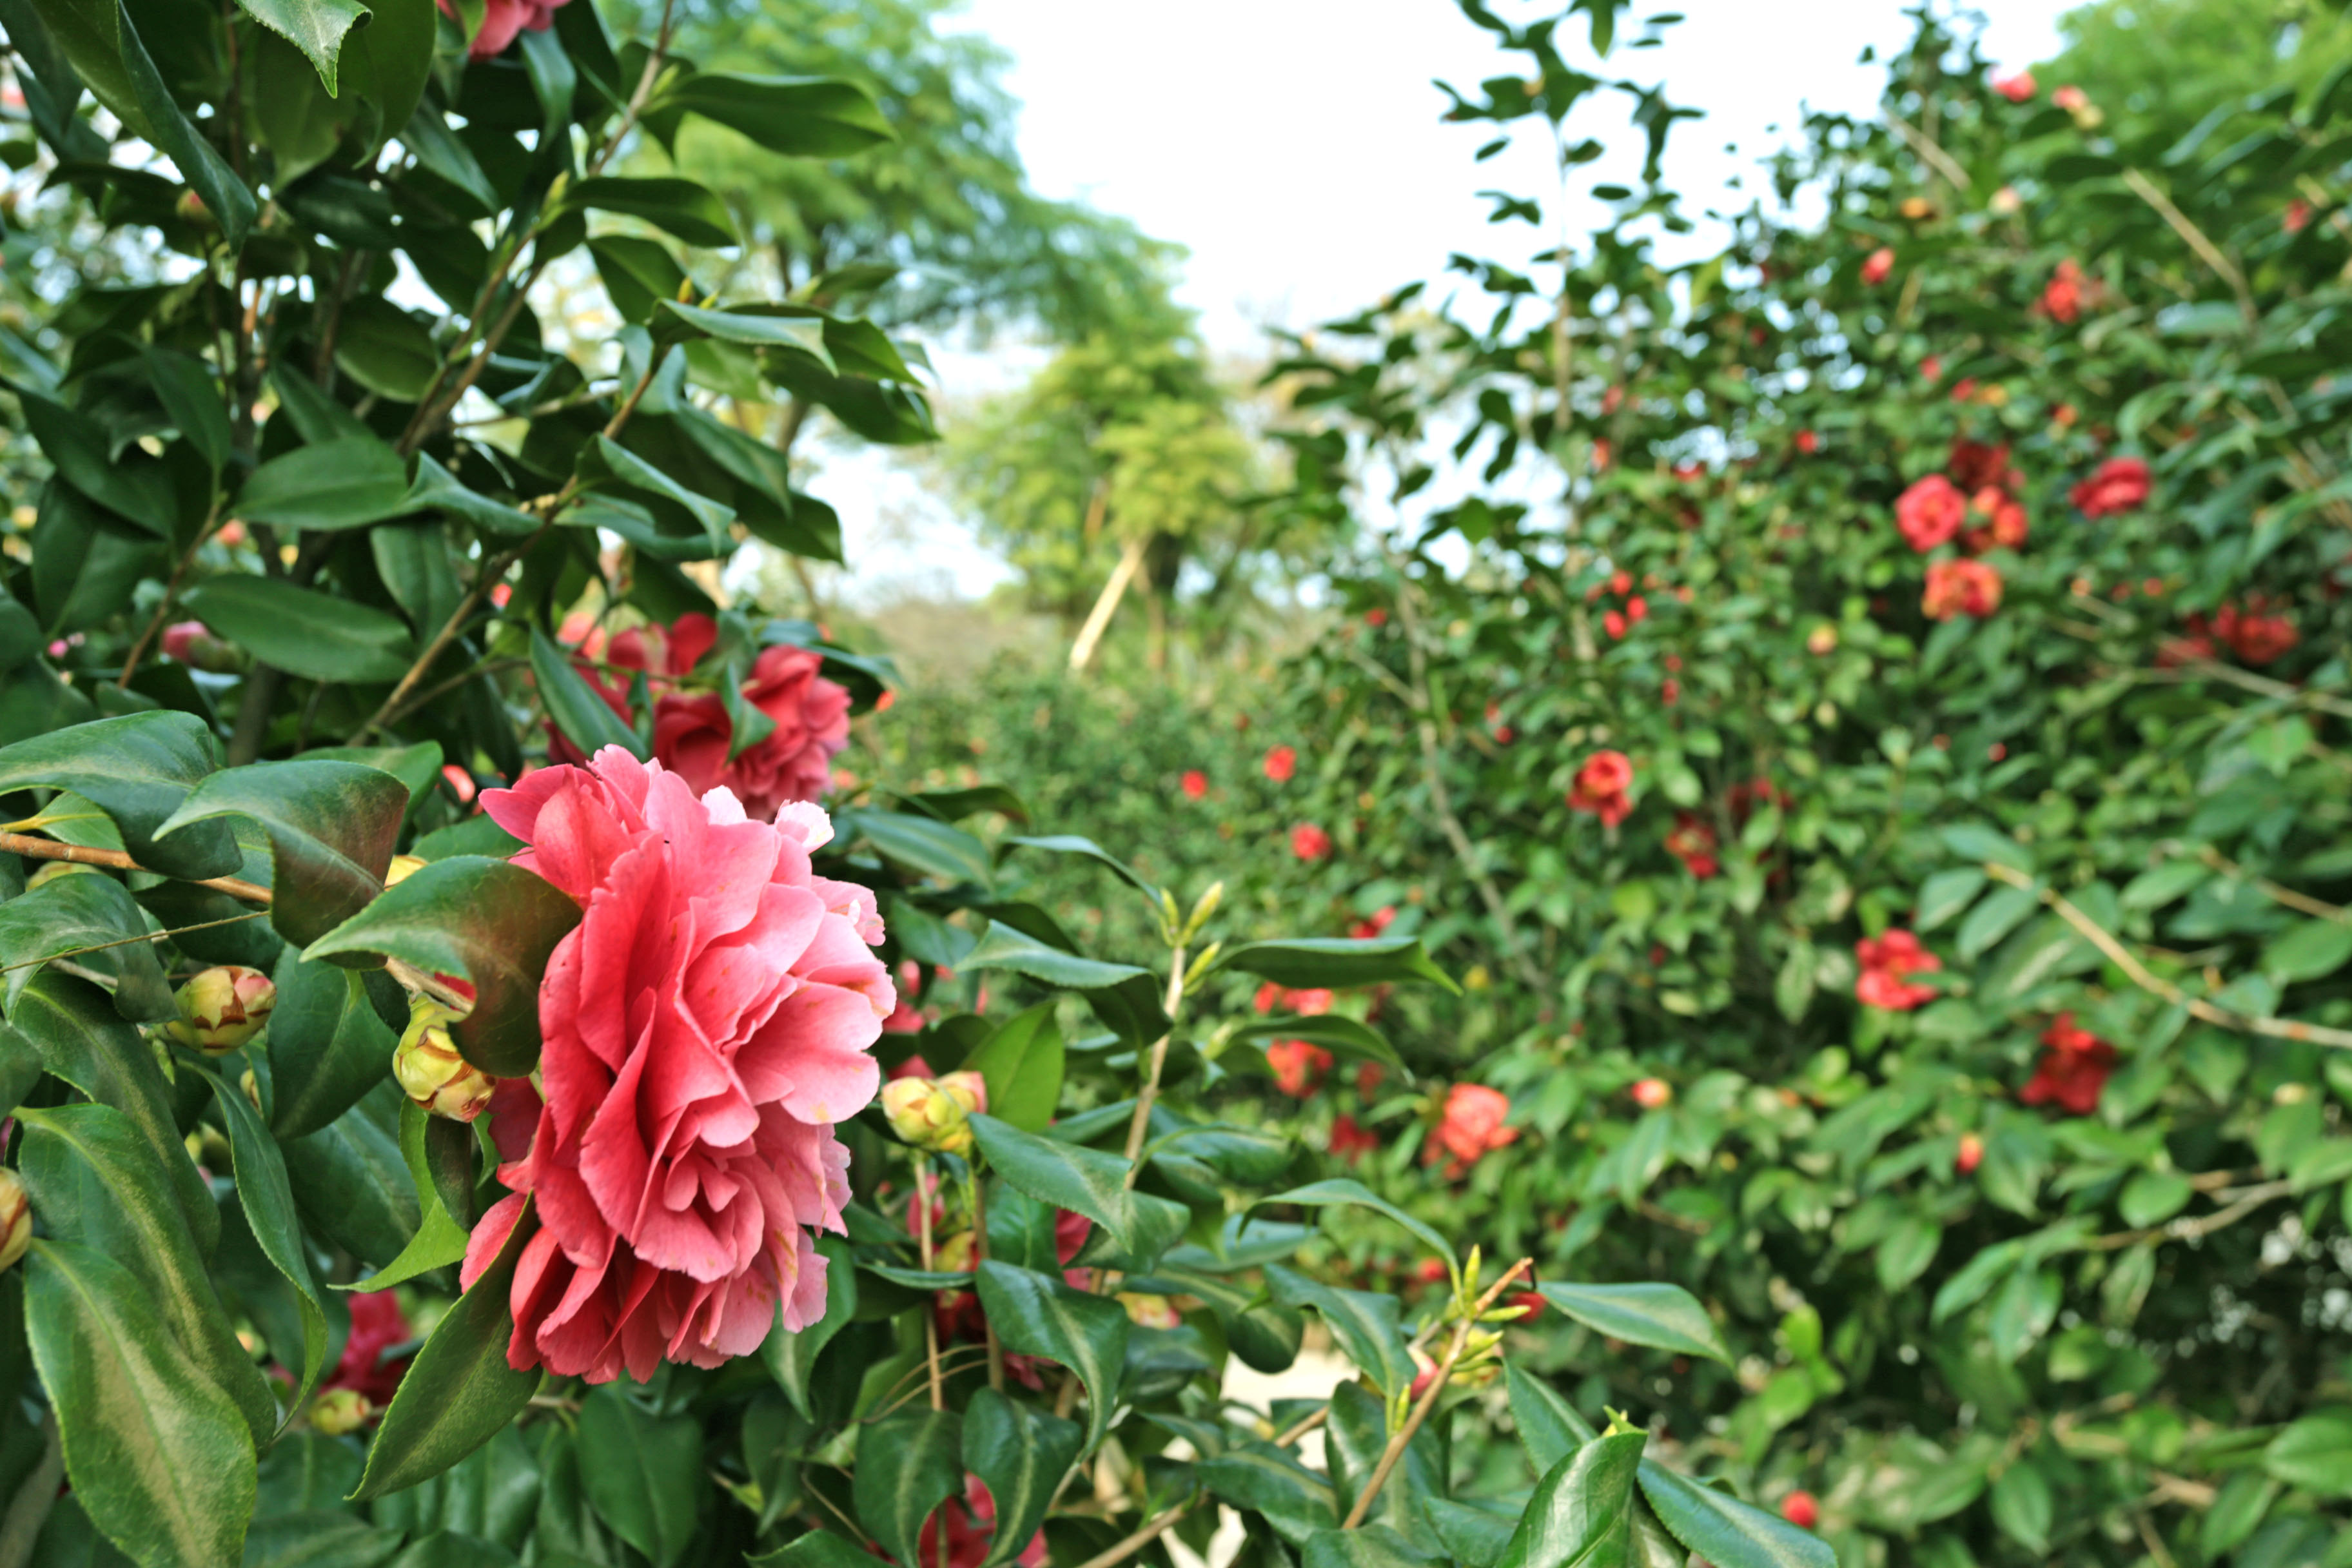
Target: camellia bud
339 1411
968 1089
1972 1153
955 1255
222 1008
16 1219
926 1116
1653 1092
430 1070
402 866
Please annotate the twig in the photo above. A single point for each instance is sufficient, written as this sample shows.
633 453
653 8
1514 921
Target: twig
2263 685
1935 156
116 861
2149 981
126 942
1404 1434
2207 251
1140 1122
923 1190
1285 1439
163 606
2274 890
1142 1537
980 1259
36 1495
2247 1201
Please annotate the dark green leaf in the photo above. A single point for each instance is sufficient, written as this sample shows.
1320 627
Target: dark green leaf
267 1198
1366 1546
1036 1314
797 116
159 1457
784 329
1126 998
1345 1036
1338 962
438 1240
790 1357
68 913
642 1473
2315 1453
186 386
341 484
1667 1316
137 769
1549 1428
332 826
177 138
459 1392
484 921
1364 1323
1020 1062
1724 1530
583 718
922 844
681 207
303 632
1581 1515
817 1549
1084 1180
907 1465
1262 1478
1021 1455
1346 1192
136 489
1072 844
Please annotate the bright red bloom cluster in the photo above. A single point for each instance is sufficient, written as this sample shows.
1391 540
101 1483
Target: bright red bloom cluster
1312 1003
1299 1067
1961 588
1373 924
377 1325
1693 842
1309 843
1880 263
1618 620
1602 787
692 733
2017 86
706 1025
1884 961
1349 1142
1977 482
1194 783
2063 296
2254 633
1469 1128
2116 486
2073 1071
1930 512
1281 762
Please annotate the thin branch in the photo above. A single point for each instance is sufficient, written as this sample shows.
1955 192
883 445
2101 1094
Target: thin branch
2156 985
1935 157
2207 251
37 1494
2275 893
128 940
923 1190
1140 1121
1111 1555
2263 685
116 861
171 586
2249 1199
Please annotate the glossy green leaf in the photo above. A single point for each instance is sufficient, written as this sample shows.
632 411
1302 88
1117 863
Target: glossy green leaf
328 1044
315 26
318 1538
459 1392
159 1458
137 769
2311 950
1126 998
1087 849
1363 1322
1475 1535
907 1464
68 914
1020 1062
1085 1181
681 207
137 490
268 1197
2315 1453
1367 1545
1356 1438
586 719
642 1473
793 332
439 1239
1945 895
484 921
302 631
1724 1530
81 1040
817 1549
436 488
1037 1314
1667 1316
1345 1192
922 844
1550 1426
1581 1515
224 196
340 484
794 116
1021 1454
1338 962
791 1358
333 827
352 1184
607 461
95 1183
1262 1479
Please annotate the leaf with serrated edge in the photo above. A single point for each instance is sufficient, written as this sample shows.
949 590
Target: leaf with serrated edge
1022 1456
1725 1531
907 1464
314 27
137 769
1581 1515
1035 1315
1364 1322
333 827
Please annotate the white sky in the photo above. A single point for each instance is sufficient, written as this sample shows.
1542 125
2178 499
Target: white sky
1295 148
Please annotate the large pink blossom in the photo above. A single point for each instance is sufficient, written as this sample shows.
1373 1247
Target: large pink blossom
504 20
705 1026
691 734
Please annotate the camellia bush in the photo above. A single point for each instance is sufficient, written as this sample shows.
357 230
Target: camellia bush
1871 734
471 1103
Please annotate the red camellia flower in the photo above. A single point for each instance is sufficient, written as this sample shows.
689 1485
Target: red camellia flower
2117 485
794 763
2252 635
1799 1508
1651 1093
2076 1064
1969 1155
1349 1142
377 1326
2298 215
1807 442
1693 842
1297 1066
1961 588
1974 465
1884 961
2061 298
1429 1271
1602 786
1194 783
1309 843
504 20
1281 761
1929 511
1373 924
1470 1127
1613 623
1376 617
2018 88
1880 263
970 1525
705 1026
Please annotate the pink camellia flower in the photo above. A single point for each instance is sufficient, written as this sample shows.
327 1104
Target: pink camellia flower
706 1024
1930 511
691 734
1602 787
1309 843
2017 86
504 20
2071 98
1470 1127
1884 961
1961 588
1880 263
2118 485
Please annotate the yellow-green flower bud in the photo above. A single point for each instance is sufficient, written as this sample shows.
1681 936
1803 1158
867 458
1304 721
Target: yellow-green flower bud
968 1089
402 866
16 1219
928 1117
222 1008
339 1410
430 1070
